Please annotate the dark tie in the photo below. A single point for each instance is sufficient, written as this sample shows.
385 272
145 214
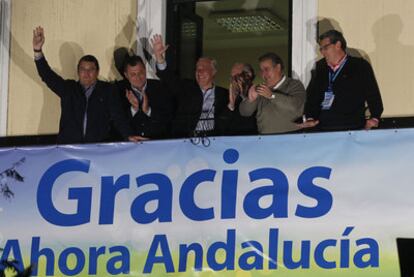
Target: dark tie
88 93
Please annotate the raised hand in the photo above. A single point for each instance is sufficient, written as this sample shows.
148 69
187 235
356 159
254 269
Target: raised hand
253 94
38 38
235 88
264 91
132 99
145 104
237 84
159 48
232 97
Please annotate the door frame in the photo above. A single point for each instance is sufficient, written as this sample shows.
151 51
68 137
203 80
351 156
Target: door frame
304 31
5 14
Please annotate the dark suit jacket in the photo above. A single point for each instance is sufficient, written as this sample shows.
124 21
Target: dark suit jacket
354 86
188 104
103 107
238 125
157 125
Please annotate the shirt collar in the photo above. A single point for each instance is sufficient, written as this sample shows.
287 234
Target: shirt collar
279 83
140 91
209 89
338 65
91 87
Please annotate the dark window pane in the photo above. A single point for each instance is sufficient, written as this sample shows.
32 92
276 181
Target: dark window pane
229 31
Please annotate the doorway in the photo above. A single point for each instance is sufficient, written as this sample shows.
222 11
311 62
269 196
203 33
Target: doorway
229 31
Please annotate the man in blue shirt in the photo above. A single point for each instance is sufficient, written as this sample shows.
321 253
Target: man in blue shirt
88 106
199 103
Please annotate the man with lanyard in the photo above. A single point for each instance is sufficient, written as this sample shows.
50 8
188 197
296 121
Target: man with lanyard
199 104
340 87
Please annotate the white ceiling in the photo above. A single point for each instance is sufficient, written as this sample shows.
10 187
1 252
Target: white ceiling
217 37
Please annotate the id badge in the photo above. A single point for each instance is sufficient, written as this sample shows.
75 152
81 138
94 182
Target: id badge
328 100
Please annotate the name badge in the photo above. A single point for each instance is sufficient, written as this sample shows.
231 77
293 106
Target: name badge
328 100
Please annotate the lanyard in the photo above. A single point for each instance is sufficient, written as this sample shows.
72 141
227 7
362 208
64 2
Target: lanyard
333 75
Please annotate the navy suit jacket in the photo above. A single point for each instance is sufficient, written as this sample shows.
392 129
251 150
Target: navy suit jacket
103 108
157 125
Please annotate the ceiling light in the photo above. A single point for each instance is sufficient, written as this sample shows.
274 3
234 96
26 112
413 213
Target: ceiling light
188 29
249 22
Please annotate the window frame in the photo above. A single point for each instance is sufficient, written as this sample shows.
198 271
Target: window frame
5 14
303 34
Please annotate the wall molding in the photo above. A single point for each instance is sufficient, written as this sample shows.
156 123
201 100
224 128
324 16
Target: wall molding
151 19
5 14
304 44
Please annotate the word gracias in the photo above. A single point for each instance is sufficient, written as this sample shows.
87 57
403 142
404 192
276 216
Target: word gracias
277 190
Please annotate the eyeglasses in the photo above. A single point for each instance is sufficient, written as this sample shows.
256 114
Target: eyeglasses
87 69
323 48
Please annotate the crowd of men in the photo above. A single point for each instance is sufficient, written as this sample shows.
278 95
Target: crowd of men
343 94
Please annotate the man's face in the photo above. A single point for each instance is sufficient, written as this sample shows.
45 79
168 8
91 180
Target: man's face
271 74
330 51
136 75
236 69
204 73
88 73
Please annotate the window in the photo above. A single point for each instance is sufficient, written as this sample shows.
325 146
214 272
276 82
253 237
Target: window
229 31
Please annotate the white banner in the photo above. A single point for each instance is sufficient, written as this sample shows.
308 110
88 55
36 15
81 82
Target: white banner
288 205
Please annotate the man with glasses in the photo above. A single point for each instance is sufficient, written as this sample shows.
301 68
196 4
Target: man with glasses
340 88
88 106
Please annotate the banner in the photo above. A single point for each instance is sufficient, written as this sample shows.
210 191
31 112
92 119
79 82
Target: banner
288 205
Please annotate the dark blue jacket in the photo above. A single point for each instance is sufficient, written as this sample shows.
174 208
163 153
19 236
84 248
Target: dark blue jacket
104 108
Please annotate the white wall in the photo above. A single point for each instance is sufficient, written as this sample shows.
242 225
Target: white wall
4 63
382 32
72 28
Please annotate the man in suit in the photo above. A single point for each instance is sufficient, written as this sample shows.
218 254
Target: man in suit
88 105
278 102
199 104
146 102
340 88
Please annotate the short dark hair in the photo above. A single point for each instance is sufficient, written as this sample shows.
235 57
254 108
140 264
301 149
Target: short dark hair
274 58
334 36
133 61
89 58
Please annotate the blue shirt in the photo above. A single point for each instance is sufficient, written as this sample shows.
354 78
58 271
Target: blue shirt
206 121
